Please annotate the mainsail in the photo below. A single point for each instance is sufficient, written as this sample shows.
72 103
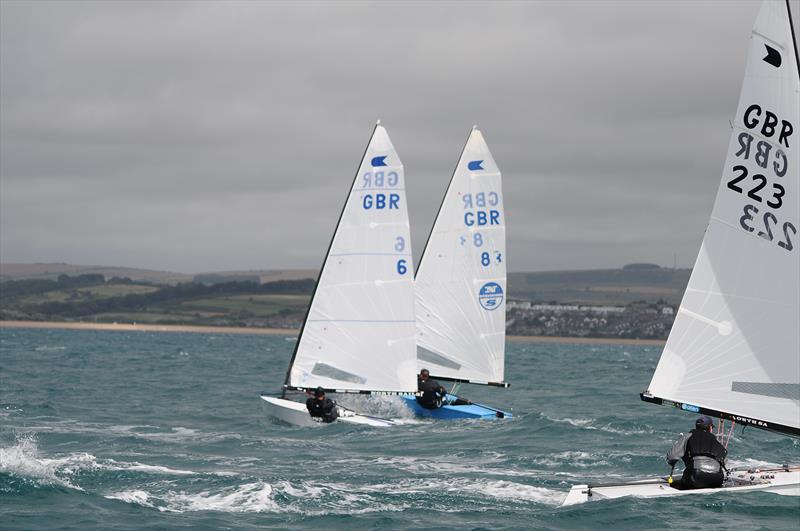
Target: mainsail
734 350
461 281
358 334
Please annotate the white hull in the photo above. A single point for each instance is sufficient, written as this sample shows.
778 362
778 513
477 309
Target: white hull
296 414
782 482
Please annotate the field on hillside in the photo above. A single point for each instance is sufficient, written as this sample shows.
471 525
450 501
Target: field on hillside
600 287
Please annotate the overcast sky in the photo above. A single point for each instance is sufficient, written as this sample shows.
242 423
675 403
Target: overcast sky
217 136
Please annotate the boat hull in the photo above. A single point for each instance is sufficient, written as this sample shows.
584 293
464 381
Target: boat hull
296 414
783 482
450 412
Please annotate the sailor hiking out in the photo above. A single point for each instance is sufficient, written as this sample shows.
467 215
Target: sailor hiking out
321 408
432 391
703 456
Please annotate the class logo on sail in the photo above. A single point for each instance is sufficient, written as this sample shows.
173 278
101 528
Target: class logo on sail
773 56
475 165
378 161
490 296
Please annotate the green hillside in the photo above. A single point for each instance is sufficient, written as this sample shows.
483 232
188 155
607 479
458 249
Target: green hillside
600 286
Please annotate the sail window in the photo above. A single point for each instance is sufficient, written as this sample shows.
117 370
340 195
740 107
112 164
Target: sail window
428 356
329 371
776 390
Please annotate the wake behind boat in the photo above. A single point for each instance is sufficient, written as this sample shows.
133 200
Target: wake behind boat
358 333
461 285
734 349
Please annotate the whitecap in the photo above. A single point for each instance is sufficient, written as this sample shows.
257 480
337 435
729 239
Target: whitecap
249 497
138 497
23 460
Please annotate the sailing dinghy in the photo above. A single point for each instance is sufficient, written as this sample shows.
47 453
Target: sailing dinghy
358 334
734 350
461 285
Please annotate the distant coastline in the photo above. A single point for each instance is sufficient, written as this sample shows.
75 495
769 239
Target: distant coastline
292 332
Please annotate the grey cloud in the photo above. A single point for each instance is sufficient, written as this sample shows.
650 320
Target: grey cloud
209 135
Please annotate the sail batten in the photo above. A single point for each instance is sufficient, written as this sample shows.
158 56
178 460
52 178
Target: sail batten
734 349
461 280
358 334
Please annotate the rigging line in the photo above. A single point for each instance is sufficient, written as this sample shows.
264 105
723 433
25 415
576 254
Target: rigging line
441 205
325 260
730 433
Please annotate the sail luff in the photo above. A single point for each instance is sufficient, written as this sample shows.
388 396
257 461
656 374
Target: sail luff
794 36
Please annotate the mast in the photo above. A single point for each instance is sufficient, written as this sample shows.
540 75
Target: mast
322 268
794 37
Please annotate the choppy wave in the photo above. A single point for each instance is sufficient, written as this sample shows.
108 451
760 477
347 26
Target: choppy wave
177 434
156 440
593 424
320 498
22 459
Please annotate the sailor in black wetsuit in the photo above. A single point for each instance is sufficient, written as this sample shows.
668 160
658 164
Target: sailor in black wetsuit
322 408
432 392
703 456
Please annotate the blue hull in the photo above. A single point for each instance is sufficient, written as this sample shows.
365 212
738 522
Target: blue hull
447 412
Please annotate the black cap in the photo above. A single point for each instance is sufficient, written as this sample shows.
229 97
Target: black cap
319 391
704 422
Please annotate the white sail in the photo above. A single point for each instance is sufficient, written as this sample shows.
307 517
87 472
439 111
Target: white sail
359 331
461 281
735 344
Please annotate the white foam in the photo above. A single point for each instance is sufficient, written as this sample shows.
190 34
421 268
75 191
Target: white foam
509 490
250 497
326 498
141 467
750 463
23 460
501 489
392 407
571 458
138 497
590 424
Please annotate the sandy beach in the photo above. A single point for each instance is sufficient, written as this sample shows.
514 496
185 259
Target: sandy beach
127 327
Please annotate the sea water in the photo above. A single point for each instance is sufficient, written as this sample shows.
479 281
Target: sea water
143 430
